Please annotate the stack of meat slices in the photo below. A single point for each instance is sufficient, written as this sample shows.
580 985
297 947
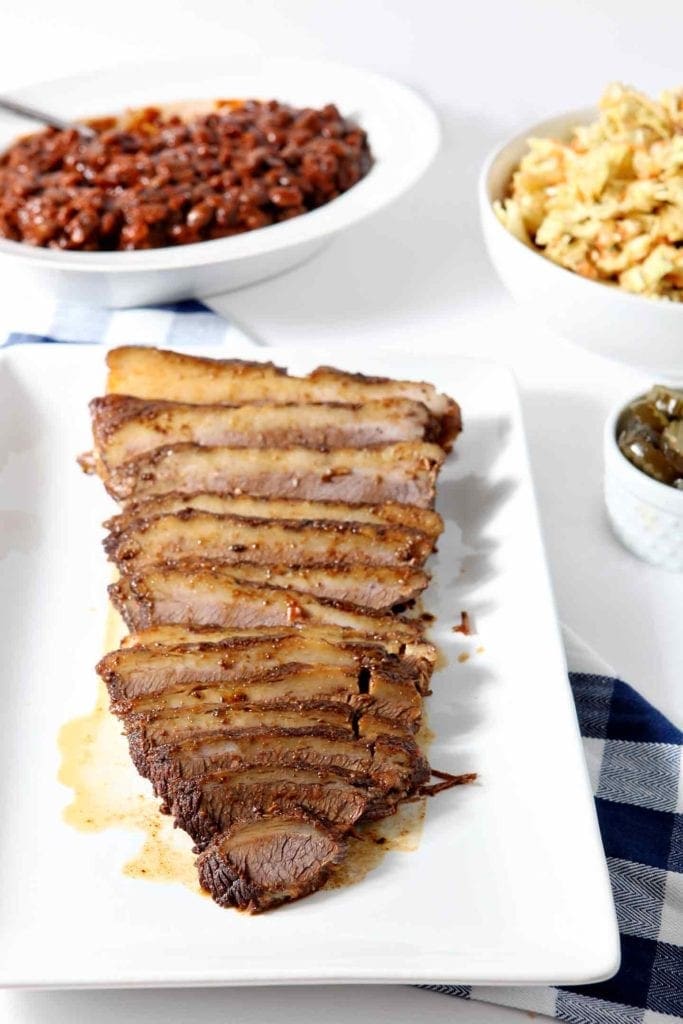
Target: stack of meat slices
270 545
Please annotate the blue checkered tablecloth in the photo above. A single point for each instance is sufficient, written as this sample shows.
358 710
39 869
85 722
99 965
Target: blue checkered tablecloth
633 752
636 767
174 325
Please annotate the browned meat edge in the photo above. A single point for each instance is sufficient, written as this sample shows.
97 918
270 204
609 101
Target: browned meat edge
235 539
172 376
427 521
216 802
379 587
125 427
141 671
166 595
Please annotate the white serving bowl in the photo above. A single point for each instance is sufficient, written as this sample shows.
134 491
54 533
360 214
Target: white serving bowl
402 129
643 332
645 514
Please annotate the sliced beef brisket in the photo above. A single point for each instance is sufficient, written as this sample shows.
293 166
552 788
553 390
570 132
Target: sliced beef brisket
271 545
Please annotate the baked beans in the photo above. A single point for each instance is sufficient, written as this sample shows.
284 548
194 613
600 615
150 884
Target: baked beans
157 180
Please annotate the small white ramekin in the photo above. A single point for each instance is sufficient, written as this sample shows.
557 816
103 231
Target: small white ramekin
646 515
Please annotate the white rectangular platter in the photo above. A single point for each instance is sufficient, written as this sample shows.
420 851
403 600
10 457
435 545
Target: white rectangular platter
508 884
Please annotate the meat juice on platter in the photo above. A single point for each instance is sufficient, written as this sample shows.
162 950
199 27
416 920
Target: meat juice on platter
108 794
271 547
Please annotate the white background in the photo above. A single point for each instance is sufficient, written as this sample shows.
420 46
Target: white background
416 276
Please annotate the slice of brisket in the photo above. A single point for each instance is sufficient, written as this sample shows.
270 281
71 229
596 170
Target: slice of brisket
172 376
124 427
260 864
403 472
216 802
425 520
234 539
165 594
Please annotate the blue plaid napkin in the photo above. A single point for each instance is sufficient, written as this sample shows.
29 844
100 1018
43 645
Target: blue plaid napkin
635 761
174 325
633 752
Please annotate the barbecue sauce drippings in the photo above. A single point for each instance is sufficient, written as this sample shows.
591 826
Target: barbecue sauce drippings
109 793
372 840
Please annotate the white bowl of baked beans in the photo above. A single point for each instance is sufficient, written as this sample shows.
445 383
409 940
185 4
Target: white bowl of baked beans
203 176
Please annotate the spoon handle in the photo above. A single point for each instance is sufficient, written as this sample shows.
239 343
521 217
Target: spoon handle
33 114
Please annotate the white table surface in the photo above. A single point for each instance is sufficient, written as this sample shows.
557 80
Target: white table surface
416 277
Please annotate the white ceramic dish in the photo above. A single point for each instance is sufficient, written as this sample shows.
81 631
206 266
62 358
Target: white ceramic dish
509 883
403 133
642 332
646 515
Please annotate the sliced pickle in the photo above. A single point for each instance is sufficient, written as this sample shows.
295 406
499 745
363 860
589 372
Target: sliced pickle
666 400
646 414
672 444
644 453
650 434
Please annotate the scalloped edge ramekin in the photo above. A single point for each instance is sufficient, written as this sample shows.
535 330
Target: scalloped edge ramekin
646 515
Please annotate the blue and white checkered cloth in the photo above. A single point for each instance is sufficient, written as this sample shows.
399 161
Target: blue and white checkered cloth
635 761
634 754
174 325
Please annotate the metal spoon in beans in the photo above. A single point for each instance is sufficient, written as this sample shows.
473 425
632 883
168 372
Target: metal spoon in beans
43 117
